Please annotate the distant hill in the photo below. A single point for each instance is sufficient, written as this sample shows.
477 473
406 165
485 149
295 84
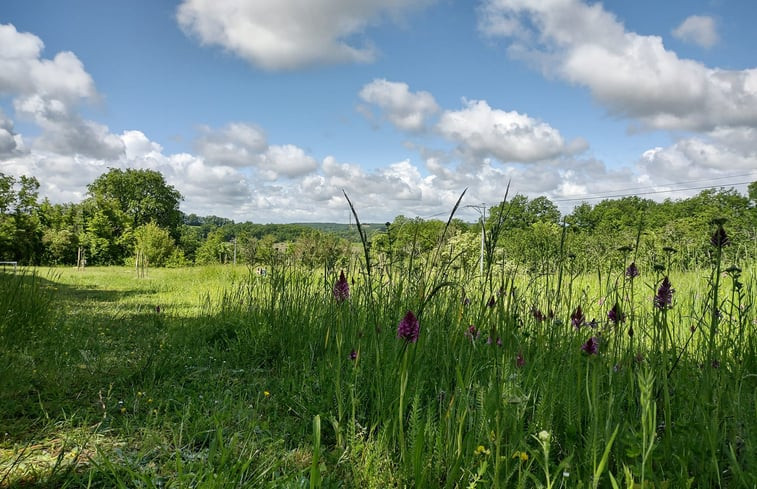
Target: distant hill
346 231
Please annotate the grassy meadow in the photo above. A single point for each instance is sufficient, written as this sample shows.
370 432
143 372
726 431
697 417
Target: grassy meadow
220 377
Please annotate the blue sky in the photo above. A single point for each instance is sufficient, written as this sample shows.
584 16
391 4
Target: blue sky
266 110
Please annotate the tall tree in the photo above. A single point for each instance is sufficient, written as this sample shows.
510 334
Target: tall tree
20 230
143 196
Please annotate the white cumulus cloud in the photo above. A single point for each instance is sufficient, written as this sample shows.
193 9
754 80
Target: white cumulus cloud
405 109
47 92
631 74
287 160
720 153
11 143
24 72
697 29
507 136
236 144
289 34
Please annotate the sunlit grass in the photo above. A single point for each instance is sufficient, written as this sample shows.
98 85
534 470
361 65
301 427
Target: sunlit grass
213 376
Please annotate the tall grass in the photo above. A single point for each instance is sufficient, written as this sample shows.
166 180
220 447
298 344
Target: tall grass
25 307
219 377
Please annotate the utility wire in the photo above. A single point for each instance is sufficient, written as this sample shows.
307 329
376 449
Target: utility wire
684 183
615 196
681 183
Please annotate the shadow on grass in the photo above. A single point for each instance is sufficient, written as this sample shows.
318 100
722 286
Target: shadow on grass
107 363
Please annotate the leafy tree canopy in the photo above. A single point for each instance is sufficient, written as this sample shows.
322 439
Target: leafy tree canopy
142 195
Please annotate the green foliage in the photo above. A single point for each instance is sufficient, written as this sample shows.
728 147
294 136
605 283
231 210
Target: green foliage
215 249
142 196
316 249
20 230
103 228
154 244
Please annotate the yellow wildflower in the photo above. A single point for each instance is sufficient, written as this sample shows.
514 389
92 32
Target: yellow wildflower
481 450
523 456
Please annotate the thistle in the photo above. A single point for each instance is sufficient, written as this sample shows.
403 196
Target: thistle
632 271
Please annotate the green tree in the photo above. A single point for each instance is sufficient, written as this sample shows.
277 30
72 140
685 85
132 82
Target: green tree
143 196
190 240
541 209
108 236
316 248
119 203
521 213
215 249
61 232
20 230
154 244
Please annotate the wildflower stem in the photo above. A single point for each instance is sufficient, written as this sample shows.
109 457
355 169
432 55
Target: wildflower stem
715 314
401 407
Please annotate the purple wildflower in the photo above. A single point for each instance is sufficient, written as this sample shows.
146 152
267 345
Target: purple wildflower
472 333
157 309
632 271
499 341
519 360
591 347
341 289
664 297
466 301
409 328
577 318
615 315
353 355
537 314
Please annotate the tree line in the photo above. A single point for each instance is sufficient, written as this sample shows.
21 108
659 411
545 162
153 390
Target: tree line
135 213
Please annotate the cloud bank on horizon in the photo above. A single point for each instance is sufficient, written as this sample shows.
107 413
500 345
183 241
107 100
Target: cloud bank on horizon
445 141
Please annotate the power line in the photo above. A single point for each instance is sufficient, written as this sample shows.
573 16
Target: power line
615 196
684 182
